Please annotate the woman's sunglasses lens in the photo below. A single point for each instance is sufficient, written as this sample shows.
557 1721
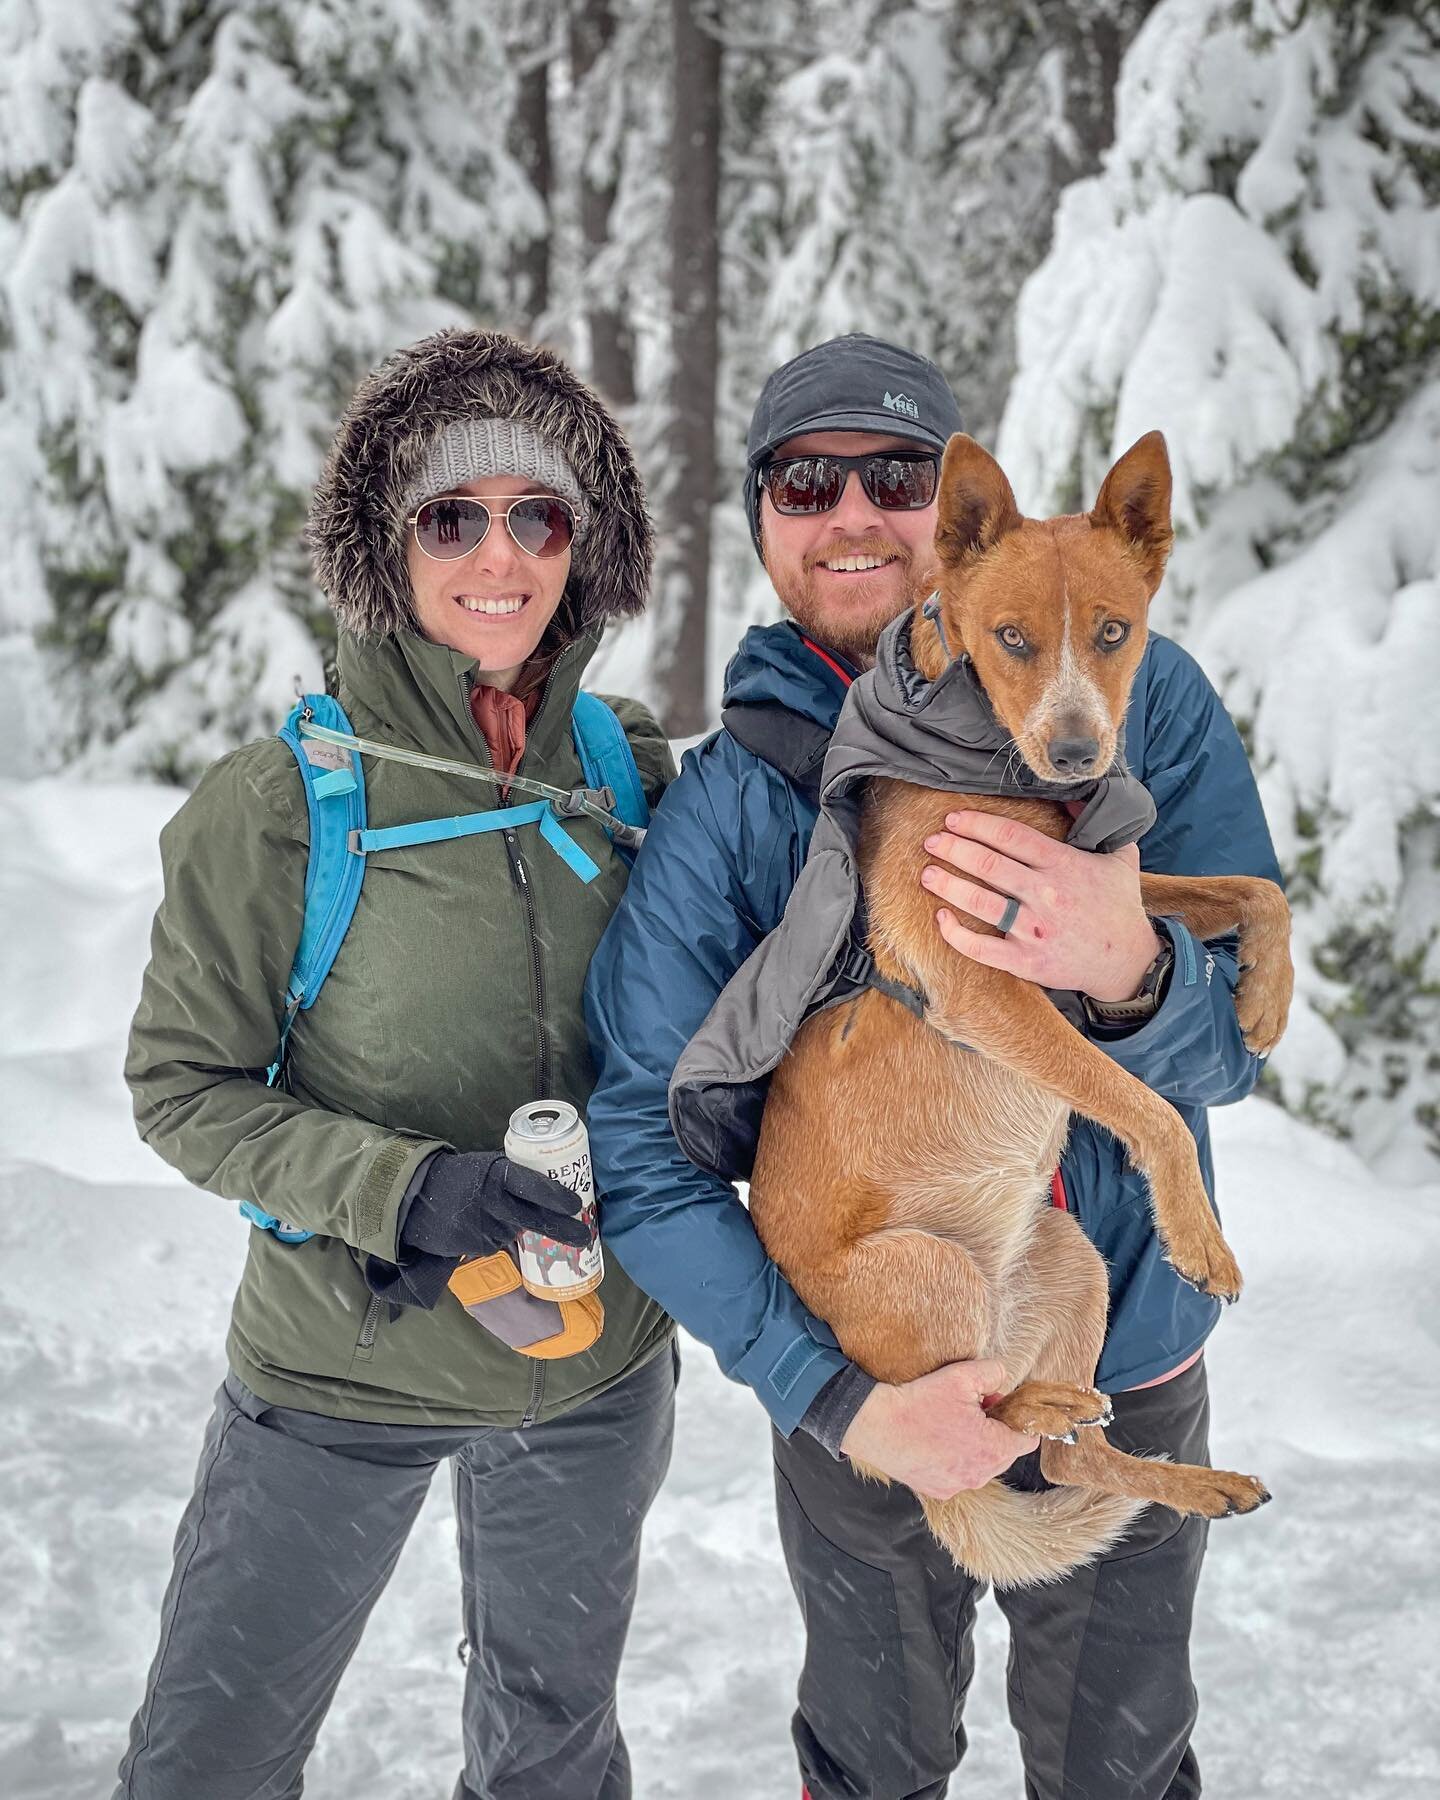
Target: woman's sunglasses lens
541 527
898 485
447 529
809 484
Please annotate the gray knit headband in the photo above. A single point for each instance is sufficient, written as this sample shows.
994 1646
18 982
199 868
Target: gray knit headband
475 448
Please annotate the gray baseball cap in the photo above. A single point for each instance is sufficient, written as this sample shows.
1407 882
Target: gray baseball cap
850 383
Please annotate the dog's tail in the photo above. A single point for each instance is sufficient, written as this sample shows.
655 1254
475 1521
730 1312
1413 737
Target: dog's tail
1014 1539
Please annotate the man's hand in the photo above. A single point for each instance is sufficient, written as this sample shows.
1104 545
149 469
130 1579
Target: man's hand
933 1434
1081 923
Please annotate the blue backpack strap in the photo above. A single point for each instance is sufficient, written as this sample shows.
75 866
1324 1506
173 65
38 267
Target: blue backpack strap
505 818
335 802
607 759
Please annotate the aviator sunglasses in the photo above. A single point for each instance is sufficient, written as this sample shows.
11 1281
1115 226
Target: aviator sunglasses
893 480
455 524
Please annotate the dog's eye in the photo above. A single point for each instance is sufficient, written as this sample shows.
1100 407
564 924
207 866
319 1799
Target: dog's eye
1113 633
1012 638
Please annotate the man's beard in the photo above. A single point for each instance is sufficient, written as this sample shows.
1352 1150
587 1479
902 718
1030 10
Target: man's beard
853 629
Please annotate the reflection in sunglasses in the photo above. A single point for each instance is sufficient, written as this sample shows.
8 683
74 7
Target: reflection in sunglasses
454 525
814 484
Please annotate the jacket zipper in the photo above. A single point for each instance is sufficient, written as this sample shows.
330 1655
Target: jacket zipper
537 1394
522 882
537 977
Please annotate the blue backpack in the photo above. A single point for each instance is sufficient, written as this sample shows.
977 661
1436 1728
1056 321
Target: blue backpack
339 841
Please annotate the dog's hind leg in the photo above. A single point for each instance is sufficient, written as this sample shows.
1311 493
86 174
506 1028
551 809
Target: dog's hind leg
1067 1293
1093 1462
903 1302
1054 1327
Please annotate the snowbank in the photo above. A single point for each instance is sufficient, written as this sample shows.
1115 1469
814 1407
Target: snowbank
1315 1660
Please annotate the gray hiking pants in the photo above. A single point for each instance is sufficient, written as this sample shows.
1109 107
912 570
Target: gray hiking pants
1099 1674
293 1530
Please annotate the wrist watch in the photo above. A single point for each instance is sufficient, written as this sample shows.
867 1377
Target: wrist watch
1146 1002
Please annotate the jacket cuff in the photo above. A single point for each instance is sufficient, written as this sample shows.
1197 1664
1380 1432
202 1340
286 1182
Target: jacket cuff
828 1416
787 1369
1134 1046
391 1180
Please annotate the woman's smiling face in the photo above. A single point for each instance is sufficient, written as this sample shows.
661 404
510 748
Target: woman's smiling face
494 604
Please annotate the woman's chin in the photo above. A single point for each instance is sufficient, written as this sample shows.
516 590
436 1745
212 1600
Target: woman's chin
493 643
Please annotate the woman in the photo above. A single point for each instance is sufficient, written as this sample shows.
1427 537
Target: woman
478 520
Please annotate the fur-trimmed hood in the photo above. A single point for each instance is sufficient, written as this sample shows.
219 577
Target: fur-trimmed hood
356 529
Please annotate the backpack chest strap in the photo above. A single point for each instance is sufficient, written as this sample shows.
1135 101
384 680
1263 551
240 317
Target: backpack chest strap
463 825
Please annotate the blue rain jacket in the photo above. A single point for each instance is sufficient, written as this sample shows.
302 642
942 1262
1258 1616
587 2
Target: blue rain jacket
723 851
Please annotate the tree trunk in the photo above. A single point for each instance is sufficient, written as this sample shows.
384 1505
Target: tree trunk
530 146
612 343
1094 40
689 490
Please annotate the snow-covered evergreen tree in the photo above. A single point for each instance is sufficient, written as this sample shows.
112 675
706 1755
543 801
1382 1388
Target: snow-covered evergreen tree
216 219
835 125
1257 272
610 289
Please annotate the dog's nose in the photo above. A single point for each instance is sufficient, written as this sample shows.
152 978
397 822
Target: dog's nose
1073 755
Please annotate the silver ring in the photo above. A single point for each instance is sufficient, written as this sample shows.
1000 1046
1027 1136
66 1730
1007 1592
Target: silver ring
1010 914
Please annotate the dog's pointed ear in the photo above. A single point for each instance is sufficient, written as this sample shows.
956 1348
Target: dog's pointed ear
1135 501
976 505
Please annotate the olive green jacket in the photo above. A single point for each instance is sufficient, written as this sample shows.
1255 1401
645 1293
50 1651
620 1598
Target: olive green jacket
455 998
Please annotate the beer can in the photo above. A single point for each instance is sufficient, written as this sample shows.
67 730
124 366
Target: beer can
547 1135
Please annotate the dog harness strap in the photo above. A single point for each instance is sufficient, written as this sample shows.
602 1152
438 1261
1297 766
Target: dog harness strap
910 998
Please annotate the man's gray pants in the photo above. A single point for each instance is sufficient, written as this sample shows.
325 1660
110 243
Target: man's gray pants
1099 1675
293 1530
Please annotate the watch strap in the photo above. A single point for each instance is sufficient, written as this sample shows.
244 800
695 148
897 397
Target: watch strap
1146 1002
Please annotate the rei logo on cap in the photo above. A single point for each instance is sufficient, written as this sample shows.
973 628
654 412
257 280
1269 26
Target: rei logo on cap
901 403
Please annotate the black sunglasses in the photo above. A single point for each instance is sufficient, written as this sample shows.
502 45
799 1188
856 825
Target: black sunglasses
894 480
455 524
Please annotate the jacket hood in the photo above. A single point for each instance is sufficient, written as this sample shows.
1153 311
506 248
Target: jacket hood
356 528
774 663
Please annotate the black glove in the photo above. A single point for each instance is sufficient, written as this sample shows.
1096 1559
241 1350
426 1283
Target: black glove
468 1203
474 1202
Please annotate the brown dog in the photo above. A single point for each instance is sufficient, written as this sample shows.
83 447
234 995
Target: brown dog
926 1237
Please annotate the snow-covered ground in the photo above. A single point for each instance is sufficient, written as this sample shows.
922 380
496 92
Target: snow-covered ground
1316 1645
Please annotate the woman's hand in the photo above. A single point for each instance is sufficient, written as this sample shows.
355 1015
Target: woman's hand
475 1202
1080 922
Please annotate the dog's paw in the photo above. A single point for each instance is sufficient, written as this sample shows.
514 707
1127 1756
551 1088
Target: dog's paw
1052 1409
1207 1264
1225 1494
1262 1006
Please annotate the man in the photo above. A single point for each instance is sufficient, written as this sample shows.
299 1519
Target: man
1099 1681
